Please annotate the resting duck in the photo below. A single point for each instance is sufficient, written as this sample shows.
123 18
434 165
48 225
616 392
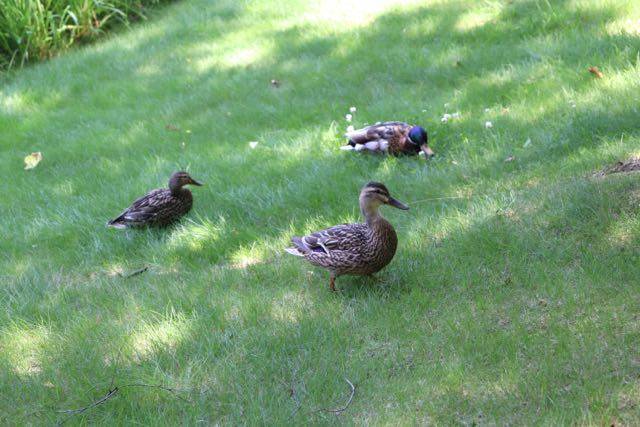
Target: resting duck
159 207
390 137
360 249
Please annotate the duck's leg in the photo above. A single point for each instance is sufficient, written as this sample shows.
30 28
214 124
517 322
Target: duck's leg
332 282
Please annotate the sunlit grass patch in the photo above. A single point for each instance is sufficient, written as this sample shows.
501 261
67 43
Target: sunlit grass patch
196 236
512 295
158 335
23 347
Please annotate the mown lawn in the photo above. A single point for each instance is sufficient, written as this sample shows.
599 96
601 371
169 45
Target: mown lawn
518 303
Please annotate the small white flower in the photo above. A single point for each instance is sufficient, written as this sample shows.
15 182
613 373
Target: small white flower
424 111
444 120
352 109
348 117
487 110
446 105
350 128
447 116
253 144
488 124
456 114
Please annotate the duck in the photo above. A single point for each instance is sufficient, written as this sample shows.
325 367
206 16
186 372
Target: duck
160 207
357 248
395 138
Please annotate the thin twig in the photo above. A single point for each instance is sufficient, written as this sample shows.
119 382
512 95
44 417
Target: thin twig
135 272
113 391
295 398
292 394
338 411
562 182
103 399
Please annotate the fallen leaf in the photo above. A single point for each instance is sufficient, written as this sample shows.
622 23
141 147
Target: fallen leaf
253 144
172 128
510 159
596 72
32 160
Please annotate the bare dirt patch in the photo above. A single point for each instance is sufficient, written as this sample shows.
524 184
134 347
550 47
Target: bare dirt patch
631 165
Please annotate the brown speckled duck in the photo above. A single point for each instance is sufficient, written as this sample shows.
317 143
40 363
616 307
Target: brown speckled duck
159 207
395 138
361 249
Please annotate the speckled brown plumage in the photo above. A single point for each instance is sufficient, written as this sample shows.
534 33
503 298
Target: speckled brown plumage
160 207
395 138
363 248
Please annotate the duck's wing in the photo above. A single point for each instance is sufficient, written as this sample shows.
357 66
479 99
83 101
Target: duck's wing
379 136
343 237
144 209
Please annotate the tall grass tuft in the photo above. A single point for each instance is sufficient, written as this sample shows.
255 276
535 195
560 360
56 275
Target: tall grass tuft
38 29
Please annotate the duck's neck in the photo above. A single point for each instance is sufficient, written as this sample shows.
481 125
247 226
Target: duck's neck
371 215
175 188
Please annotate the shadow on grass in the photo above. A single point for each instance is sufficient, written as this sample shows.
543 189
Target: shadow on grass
265 339
235 340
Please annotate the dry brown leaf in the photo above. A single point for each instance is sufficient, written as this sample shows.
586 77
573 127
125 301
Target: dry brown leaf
596 72
172 128
32 160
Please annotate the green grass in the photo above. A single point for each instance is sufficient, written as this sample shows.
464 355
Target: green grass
39 29
516 305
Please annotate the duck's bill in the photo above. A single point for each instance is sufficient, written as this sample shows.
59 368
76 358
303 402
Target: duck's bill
397 204
428 152
194 182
